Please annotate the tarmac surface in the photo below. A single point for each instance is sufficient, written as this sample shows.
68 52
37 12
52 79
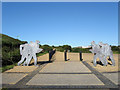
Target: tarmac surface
72 73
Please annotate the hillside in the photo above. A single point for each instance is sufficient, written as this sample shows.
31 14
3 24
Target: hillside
10 50
9 41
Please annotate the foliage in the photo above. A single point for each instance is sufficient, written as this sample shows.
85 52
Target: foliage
64 47
46 48
68 47
60 49
41 53
115 49
83 50
7 67
10 50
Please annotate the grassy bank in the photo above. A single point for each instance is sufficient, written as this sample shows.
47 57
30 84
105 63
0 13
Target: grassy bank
11 52
7 67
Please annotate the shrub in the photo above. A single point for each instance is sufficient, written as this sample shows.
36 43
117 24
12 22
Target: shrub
10 50
83 50
46 48
64 47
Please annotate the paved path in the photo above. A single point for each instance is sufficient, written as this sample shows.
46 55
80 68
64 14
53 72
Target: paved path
59 74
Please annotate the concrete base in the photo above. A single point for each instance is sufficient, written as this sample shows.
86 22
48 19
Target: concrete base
12 78
65 79
65 67
112 76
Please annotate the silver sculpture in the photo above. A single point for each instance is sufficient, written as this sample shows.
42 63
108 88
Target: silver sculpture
102 51
28 51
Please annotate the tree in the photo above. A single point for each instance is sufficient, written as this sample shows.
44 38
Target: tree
46 48
66 47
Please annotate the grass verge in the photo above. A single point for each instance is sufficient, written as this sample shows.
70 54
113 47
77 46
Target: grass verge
40 54
4 68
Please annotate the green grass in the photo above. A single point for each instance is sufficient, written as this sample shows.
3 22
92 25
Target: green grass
4 68
40 54
116 52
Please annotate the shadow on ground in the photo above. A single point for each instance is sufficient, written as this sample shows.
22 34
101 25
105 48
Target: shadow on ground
41 63
100 63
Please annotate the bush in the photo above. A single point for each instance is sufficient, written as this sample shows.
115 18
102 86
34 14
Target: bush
115 49
46 48
64 47
60 49
10 57
83 50
10 50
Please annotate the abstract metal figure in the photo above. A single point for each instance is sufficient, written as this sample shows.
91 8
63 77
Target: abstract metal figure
28 51
101 51
106 50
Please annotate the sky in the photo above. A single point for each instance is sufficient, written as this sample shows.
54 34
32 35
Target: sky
61 23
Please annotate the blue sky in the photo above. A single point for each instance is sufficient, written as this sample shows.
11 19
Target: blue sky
75 24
